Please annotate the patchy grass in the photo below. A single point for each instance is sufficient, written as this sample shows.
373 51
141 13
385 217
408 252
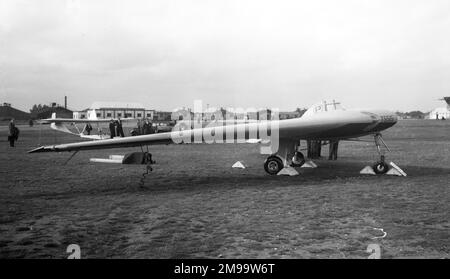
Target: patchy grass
196 206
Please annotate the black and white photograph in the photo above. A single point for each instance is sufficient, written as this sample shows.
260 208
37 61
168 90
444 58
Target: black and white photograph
225 130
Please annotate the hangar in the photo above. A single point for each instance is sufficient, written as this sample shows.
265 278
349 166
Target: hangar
105 110
7 112
442 112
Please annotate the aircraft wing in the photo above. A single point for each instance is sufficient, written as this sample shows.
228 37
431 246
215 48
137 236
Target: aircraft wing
155 139
84 121
163 138
327 126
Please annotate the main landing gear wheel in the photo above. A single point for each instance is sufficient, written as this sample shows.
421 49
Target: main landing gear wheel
298 160
273 165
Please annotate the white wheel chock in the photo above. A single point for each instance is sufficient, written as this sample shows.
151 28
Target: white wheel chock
396 170
367 170
309 164
289 171
238 165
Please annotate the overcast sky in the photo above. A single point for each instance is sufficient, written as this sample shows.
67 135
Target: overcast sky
285 54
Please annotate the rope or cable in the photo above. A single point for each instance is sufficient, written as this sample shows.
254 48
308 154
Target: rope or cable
144 175
381 230
148 161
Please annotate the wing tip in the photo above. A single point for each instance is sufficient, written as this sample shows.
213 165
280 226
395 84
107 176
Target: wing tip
39 149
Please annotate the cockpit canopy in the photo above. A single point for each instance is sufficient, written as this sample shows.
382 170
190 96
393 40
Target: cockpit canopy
324 106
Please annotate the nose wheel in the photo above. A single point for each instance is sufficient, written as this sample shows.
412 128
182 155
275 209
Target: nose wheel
380 167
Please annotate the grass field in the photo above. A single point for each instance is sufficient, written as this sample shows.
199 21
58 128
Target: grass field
194 205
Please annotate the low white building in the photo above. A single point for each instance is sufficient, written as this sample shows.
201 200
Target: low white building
442 112
107 110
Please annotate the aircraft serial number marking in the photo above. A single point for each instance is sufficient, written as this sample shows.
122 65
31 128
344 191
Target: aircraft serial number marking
387 118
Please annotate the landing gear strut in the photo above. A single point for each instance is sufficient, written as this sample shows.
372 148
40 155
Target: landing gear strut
380 167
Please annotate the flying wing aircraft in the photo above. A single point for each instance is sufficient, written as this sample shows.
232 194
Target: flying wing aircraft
61 125
321 122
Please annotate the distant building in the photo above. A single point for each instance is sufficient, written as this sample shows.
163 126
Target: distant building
212 114
106 110
80 114
47 112
7 112
184 114
442 112
162 116
412 115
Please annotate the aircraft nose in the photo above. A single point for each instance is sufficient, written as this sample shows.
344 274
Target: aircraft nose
395 118
386 120
389 117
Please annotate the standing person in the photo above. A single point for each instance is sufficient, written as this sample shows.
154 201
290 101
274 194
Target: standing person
120 128
141 126
88 129
13 133
147 127
138 128
116 131
112 128
333 153
144 127
314 149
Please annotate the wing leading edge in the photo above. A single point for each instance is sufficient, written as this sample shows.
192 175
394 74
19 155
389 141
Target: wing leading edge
328 125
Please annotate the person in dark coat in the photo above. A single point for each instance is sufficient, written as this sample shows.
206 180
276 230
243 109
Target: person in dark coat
88 129
138 130
144 127
141 127
13 133
112 128
333 152
120 128
148 129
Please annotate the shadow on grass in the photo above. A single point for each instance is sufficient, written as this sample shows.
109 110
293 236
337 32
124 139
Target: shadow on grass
328 172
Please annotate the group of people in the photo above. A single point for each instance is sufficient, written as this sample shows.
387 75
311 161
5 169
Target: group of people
315 149
144 127
116 129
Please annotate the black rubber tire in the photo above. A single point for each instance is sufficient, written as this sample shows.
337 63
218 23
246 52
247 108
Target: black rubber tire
273 165
380 168
300 159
